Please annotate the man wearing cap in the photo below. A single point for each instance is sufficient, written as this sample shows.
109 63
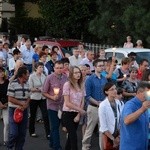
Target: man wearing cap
18 97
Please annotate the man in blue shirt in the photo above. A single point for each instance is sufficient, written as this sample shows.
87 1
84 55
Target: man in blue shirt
134 121
94 95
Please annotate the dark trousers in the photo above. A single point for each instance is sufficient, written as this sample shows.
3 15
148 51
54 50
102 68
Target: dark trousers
33 109
17 131
71 126
55 123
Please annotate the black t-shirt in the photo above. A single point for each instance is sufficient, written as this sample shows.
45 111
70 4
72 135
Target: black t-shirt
3 92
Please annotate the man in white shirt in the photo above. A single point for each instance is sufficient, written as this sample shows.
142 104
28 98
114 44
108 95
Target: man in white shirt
75 59
88 60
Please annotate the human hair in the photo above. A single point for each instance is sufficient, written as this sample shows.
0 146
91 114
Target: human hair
125 61
107 87
142 85
37 64
58 62
146 75
133 69
75 48
71 79
44 47
87 65
3 70
16 51
142 61
109 60
95 62
21 71
65 60
53 53
119 91
53 48
41 54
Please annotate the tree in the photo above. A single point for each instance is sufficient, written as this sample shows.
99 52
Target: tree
68 18
116 19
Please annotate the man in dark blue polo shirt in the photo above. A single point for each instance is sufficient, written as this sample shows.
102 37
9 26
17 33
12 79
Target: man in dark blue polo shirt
94 95
134 121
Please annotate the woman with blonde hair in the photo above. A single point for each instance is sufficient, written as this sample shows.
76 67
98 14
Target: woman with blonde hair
74 93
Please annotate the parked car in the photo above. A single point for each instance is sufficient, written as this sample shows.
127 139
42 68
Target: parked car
66 45
123 52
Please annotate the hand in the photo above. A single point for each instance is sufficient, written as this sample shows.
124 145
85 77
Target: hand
3 106
77 118
24 104
82 112
146 105
116 142
55 97
134 94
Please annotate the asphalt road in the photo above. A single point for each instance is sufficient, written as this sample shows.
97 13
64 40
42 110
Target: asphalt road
41 143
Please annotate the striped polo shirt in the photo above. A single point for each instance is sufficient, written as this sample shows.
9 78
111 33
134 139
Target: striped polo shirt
16 90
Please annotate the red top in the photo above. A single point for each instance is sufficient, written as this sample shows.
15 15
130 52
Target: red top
139 74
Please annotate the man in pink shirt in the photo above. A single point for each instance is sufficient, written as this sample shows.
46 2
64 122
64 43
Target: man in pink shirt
52 90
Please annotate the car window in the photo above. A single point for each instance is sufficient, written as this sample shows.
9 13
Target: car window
142 55
109 54
119 57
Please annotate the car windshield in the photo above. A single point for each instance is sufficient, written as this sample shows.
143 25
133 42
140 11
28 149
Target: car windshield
142 55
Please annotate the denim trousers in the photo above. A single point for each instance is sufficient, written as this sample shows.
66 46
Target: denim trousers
34 104
17 131
54 129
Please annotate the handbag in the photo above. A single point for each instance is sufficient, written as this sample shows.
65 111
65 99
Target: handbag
107 143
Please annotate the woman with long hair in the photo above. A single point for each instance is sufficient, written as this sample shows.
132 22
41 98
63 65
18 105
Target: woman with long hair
109 117
4 101
74 93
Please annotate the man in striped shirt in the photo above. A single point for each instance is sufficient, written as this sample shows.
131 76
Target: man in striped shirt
18 97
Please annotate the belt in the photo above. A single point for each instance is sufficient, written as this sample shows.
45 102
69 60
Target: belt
94 105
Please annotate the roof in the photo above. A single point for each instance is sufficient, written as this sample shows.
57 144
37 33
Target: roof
128 50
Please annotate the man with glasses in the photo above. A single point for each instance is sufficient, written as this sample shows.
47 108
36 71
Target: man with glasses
52 90
94 95
18 97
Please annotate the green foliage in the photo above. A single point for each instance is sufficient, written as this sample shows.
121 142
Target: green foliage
68 18
26 25
116 19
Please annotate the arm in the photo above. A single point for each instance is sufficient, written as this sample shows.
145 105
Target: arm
128 94
134 116
15 101
88 88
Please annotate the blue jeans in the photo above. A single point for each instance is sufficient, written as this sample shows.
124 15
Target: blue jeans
17 131
54 132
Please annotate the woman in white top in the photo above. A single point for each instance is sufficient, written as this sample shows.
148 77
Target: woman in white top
109 116
74 93
36 81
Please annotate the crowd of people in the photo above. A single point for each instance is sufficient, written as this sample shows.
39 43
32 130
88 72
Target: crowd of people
79 90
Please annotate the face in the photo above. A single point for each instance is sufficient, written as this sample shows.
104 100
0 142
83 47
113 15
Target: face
102 53
83 70
56 49
126 66
99 67
80 47
76 74
54 57
1 46
43 59
26 76
58 68
66 66
144 66
90 55
76 52
112 92
18 55
46 51
2 74
133 74
88 71
128 39
40 69
28 44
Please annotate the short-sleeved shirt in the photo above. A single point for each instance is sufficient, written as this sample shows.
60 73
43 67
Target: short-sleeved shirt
16 90
135 135
52 81
75 96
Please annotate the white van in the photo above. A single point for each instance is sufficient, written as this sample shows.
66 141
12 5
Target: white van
123 52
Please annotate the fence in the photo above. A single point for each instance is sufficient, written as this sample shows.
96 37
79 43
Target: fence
96 47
